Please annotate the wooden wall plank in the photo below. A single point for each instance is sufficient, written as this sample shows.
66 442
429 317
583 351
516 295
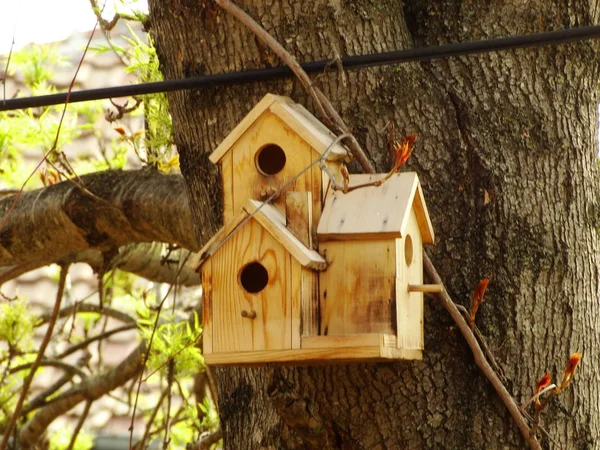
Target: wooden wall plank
357 291
310 303
298 215
409 305
207 309
271 328
249 182
296 300
227 177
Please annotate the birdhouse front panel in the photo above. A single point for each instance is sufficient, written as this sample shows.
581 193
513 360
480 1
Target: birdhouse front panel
264 159
409 305
251 297
358 289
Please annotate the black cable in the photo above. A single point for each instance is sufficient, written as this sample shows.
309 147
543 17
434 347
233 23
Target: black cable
348 62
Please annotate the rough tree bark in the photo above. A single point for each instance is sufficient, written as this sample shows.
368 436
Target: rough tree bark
64 224
507 157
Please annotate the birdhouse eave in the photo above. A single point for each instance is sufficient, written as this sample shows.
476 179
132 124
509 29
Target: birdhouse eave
295 116
274 223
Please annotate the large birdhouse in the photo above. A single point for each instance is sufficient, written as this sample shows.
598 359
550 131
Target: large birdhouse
316 274
267 149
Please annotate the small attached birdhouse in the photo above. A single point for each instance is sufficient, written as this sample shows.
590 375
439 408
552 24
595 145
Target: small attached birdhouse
317 274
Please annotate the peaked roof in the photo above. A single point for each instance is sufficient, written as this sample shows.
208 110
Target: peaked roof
271 220
307 126
375 211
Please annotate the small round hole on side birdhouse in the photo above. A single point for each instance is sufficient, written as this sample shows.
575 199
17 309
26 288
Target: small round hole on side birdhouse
270 160
408 250
254 277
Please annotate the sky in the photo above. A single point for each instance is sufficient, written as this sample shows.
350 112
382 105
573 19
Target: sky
48 21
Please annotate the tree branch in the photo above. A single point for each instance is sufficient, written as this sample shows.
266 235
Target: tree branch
90 308
106 334
59 222
52 363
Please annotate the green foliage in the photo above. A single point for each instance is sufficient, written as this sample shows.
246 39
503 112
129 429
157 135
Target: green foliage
174 352
36 62
36 129
61 438
159 132
16 326
210 421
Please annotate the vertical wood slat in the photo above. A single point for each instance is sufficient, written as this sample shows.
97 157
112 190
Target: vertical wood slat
409 305
310 303
357 289
298 215
227 177
270 329
295 292
207 305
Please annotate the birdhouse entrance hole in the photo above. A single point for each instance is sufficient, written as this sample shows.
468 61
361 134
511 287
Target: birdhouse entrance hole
254 277
270 160
408 250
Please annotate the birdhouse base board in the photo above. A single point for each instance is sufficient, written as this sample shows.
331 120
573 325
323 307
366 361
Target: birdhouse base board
307 356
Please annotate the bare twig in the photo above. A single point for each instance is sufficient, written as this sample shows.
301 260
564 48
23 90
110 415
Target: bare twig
40 399
276 47
480 358
10 52
98 337
52 363
79 425
483 343
326 109
206 441
90 308
142 442
78 183
147 355
36 364
90 389
538 395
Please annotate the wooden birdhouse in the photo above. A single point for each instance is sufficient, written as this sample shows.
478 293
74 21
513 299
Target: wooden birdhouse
271 145
372 239
317 274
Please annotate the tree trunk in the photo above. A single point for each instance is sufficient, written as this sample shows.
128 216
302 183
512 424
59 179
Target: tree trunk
507 158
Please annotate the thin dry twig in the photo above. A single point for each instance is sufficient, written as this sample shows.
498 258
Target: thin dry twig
99 337
142 442
52 363
79 425
41 398
206 441
78 183
36 364
91 308
480 358
147 354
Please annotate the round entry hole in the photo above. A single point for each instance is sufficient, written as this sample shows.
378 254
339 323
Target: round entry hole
254 277
270 160
408 250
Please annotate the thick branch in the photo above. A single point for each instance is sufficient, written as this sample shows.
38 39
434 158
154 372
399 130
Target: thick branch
61 221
